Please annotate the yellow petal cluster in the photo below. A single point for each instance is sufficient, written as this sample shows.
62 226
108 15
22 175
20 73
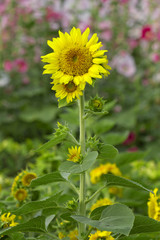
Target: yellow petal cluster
96 173
8 220
74 154
154 205
101 202
101 235
75 61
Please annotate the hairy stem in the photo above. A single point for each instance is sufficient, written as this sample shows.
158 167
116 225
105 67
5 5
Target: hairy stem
82 192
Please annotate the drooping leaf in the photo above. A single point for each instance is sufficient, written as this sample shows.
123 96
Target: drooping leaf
35 206
48 178
72 167
115 138
108 152
48 220
143 224
52 142
120 181
34 225
116 218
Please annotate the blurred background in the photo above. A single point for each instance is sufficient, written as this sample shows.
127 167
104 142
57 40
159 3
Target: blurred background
129 29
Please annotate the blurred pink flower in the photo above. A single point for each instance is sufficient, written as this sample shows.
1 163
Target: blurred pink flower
133 43
130 139
52 15
155 57
21 65
147 33
124 64
106 35
8 66
158 35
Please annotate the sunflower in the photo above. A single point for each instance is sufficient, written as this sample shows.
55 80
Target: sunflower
101 202
101 235
75 59
27 178
74 154
21 194
154 205
96 173
69 90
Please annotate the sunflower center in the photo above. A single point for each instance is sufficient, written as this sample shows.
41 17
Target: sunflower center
70 87
75 61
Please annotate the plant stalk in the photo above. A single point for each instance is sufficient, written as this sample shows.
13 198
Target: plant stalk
82 192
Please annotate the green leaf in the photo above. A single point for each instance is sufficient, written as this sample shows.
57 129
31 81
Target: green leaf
140 237
72 167
34 225
96 213
120 181
128 157
108 152
48 220
52 142
48 178
145 224
103 125
116 218
115 138
62 103
35 206
17 236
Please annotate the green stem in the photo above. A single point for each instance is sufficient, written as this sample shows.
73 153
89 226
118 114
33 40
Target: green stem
98 191
82 192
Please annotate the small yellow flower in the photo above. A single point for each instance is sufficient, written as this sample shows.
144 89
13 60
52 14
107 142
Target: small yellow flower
61 235
154 205
27 178
101 235
21 194
75 61
104 169
8 220
101 202
73 235
74 154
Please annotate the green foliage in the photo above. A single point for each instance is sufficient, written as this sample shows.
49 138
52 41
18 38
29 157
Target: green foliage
87 163
117 218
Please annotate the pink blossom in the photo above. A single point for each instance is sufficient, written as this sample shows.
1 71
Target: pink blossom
130 139
124 64
52 15
21 65
133 43
8 66
155 57
158 35
147 33
106 35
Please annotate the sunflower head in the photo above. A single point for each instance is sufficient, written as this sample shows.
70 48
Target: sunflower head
21 194
74 154
74 61
27 178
